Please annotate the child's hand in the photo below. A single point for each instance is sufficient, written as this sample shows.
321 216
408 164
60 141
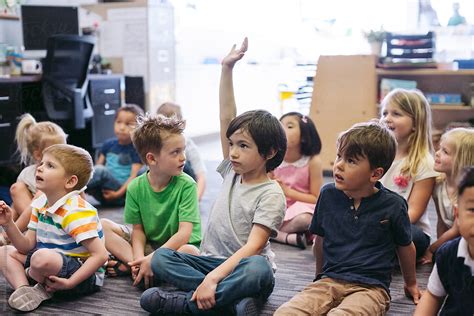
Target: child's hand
55 283
205 294
235 54
110 195
427 257
144 271
286 189
413 292
6 216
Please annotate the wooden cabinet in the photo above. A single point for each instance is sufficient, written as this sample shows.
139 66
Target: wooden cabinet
346 91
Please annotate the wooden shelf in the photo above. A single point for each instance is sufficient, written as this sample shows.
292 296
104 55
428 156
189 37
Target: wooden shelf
451 107
426 72
9 16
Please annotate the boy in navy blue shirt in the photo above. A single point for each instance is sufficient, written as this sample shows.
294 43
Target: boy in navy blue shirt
118 161
360 228
453 273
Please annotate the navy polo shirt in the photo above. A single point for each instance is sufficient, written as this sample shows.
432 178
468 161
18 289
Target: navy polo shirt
360 245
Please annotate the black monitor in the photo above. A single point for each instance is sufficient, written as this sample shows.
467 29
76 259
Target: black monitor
40 22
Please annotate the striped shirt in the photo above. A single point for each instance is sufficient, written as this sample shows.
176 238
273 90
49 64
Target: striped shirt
64 225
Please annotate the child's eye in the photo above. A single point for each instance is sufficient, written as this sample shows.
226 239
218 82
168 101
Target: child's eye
352 161
243 146
384 113
49 165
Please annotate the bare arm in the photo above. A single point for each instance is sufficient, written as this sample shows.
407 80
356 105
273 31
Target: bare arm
227 106
100 160
22 242
138 241
201 184
318 253
406 257
315 182
429 305
419 198
181 237
133 174
205 292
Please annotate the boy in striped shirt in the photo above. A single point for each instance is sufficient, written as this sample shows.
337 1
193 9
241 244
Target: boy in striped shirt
63 250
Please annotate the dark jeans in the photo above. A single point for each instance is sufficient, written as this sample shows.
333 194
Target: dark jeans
420 239
70 266
104 180
252 277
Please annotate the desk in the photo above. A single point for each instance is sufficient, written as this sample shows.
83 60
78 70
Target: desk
23 94
18 94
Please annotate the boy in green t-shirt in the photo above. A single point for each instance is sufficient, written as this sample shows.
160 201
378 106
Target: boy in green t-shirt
161 204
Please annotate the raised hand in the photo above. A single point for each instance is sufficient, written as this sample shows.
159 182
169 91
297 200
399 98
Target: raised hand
6 216
235 54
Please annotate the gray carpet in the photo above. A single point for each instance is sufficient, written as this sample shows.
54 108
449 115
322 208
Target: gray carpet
295 270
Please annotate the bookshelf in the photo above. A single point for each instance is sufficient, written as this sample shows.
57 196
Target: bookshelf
346 91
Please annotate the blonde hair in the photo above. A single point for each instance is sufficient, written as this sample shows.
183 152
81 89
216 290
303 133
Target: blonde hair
75 161
31 136
415 105
152 130
170 109
462 140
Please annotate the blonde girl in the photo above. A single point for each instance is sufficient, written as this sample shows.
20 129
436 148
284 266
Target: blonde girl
300 177
456 152
408 114
32 138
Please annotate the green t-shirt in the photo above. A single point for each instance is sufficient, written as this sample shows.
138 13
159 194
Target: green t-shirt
161 212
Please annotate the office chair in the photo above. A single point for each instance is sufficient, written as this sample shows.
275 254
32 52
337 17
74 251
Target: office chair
65 79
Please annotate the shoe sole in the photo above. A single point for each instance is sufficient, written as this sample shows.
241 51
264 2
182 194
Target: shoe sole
249 309
27 298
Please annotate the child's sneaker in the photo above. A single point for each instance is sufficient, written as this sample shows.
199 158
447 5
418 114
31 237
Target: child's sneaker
247 306
157 300
28 298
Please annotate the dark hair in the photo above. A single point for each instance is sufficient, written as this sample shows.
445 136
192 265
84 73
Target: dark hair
310 140
130 107
266 131
152 130
371 140
466 179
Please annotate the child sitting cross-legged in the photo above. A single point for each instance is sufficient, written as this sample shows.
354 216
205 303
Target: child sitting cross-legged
360 228
233 274
452 278
62 251
161 204
118 162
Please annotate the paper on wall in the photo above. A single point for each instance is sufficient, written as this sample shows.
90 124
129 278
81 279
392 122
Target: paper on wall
123 38
135 14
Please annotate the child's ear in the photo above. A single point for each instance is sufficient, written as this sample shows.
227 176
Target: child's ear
150 158
271 154
456 210
377 173
71 182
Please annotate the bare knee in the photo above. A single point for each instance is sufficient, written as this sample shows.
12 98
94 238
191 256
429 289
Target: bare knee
7 253
189 249
46 260
110 227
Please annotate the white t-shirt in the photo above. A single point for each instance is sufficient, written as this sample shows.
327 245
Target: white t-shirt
435 286
443 204
404 187
28 176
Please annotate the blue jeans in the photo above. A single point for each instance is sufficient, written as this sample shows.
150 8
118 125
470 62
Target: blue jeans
104 180
252 277
420 239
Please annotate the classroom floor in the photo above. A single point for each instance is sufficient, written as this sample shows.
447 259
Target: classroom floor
295 269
